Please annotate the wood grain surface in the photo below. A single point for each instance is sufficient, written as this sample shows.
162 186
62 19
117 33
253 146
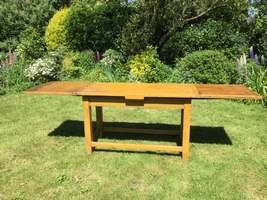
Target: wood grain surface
139 91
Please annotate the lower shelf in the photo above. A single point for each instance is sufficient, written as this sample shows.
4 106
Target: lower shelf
141 130
138 147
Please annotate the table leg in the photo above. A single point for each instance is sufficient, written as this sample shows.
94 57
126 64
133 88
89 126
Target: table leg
180 141
88 129
99 120
186 130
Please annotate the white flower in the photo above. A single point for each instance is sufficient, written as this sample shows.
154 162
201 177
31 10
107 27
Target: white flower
43 68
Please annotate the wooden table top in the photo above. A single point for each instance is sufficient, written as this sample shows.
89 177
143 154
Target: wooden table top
139 91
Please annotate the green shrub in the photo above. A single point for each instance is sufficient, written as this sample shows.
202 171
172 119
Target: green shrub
86 59
55 35
99 74
258 35
31 46
112 57
6 45
146 67
13 78
43 69
257 81
75 64
255 77
258 32
135 37
17 15
115 61
95 27
111 68
204 67
210 35
46 68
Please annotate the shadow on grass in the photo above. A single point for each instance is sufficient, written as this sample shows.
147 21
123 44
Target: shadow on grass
199 134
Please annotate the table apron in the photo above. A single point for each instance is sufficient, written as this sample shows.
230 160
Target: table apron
147 102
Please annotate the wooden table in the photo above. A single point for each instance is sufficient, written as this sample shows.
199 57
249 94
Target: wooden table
175 96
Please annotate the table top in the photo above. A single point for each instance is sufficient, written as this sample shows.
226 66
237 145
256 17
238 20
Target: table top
141 90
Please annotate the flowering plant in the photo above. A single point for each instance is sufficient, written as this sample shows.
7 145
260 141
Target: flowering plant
253 73
43 69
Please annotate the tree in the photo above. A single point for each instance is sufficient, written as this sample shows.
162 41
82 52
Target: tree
16 16
95 26
156 21
258 32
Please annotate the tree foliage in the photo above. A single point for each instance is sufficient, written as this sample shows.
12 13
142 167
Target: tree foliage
156 21
95 26
207 35
55 35
258 31
31 45
17 15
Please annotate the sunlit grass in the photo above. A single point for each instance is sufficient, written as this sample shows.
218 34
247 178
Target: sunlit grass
37 161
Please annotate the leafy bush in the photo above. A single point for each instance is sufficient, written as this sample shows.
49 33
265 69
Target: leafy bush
45 69
95 27
111 68
135 37
210 35
32 45
112 58
204 67
17 15
7 45
12 78
115 61
99 73
255 77
146 67
258 36
55 35
75 64
258 32
257 81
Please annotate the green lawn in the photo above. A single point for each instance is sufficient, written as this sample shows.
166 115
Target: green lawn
42 153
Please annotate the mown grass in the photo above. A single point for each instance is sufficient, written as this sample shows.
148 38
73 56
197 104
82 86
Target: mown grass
42 153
